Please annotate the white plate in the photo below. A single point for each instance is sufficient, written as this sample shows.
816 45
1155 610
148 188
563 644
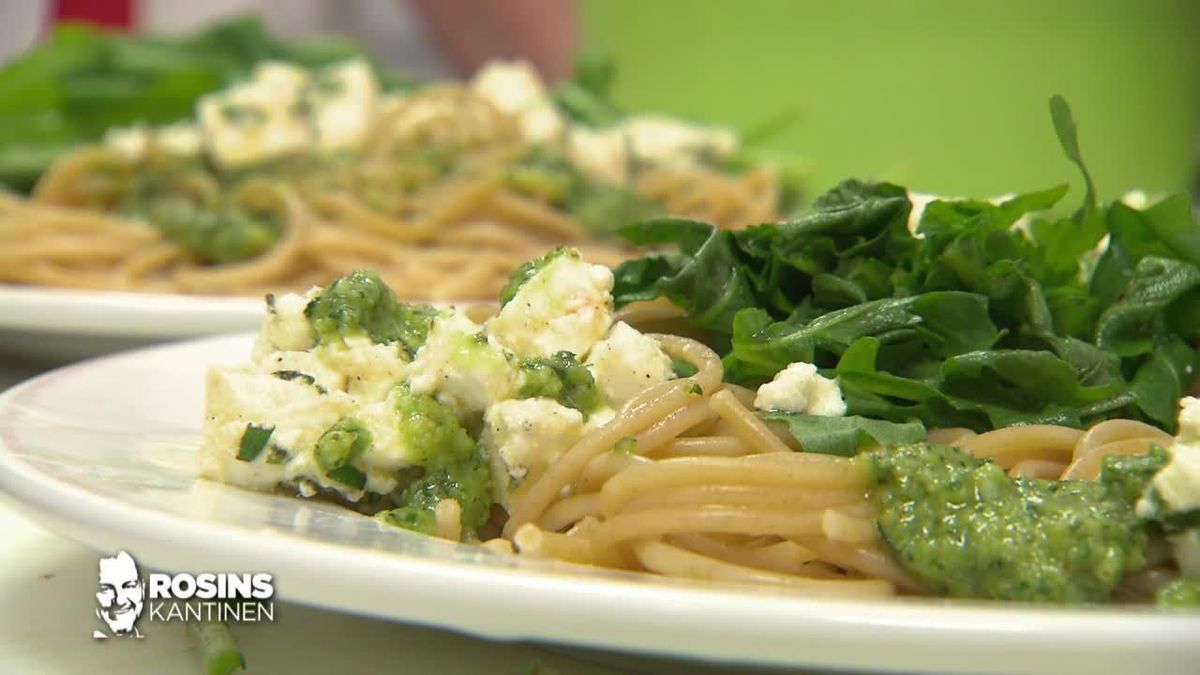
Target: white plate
61 325
102 452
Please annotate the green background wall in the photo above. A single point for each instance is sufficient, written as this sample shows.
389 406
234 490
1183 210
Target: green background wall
944 96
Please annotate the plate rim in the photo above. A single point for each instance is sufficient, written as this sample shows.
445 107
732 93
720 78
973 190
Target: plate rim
125 313
560 599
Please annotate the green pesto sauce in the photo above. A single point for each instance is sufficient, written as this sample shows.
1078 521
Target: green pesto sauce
191 207
454 467
560 377
360 303
598 206
961 527
1183 592
529 270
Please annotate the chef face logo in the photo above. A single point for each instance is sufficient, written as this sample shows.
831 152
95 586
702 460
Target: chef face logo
121 595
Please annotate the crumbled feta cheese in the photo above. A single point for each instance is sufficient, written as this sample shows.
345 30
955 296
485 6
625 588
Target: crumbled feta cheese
259 119
1178 483
301 365
567 305
285 327
371 370
666 141
343 98
602 154
1186 547
799 388
128 142
388 450
626 362
181 139
462 366
1189 420
524 436
515 88
235 397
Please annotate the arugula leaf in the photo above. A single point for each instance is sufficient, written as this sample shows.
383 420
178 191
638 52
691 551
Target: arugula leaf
846 435
944 323
1068 137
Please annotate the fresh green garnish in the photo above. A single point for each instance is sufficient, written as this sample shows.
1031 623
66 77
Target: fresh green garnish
961 527
529 270
695 389
254 439
626 446
290 375
683 368
453 466
587 96
341 444
349 475
360 303
214 644
845 435
560 377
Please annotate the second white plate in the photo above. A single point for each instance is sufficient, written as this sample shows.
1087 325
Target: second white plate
60 325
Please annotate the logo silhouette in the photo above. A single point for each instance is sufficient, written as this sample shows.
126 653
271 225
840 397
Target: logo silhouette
120 597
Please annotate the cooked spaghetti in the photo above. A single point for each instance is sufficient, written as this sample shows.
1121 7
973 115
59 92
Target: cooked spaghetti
296 178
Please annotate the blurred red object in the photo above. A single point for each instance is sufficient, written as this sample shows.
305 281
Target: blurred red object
109 13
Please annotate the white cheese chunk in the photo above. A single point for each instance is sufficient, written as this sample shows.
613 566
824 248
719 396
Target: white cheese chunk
342 99
370 370
627 362
236 397
128 142
285 327
524 436
257 120
182 139
1178 483
388 449
515 88
566 305
660 140
462 366
1186 547
1189 420
602 154
300 366
799 388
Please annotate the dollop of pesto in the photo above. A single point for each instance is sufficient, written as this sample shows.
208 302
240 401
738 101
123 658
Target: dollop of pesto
529 270
360 303
961 527
453 466
1184 593
340 445
560 377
